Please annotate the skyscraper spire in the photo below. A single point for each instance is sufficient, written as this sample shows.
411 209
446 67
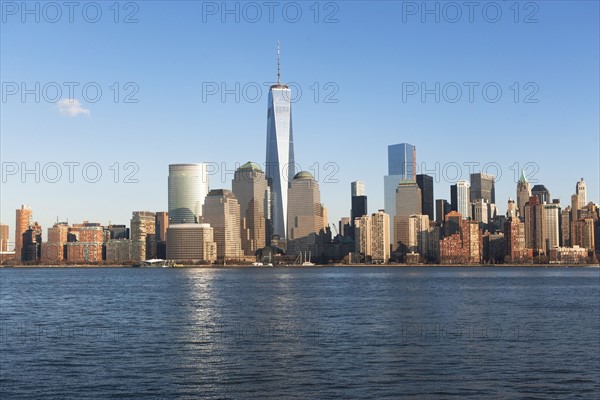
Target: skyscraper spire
278 65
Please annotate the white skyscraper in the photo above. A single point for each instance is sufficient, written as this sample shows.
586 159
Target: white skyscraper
279 167
463 189
188 186
580 191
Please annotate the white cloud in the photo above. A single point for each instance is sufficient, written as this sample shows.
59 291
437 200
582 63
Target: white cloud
72 108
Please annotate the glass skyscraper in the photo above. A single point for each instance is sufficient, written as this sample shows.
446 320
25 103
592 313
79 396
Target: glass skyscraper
188 186
279 167
402 166
402 160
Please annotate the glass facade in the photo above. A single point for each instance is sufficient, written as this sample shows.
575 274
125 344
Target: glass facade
402 160
188 186
279 167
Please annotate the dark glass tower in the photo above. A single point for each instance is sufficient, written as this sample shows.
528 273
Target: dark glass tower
425 183
482 187
279 167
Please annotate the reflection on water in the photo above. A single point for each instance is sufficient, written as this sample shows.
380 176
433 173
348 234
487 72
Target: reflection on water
299 333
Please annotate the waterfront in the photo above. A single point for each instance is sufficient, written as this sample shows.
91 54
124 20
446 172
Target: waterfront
343 332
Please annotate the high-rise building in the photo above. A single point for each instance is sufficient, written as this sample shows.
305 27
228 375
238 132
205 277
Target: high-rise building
463 205
442 207
54 249
542 193
280 165
515 248
481 212
408 202
581 192
222 211
552 225
535 226
305 218
31 243
565 221
357 188
250 188
161 223
23 221
418 234
142 229
453 198
452 222
3 238
482 187
358 201
523 194
372 237
402 166
191 242
425 183
402 160
511 209
88 247
188 187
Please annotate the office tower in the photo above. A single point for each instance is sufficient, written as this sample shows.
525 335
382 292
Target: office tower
542 193
482 187
222 211
250 189
463 205
523 194
54 250
453 198
188 186
23 220
402 166
191 242
304 213
511 209
31 241
481 212
358 201
581 192
161 223
3 238
402 160
344 227
452 222
324 217
142 225
551 225
565 221
373 237
357 188
442 207
425 183
408 202
535 226
280 166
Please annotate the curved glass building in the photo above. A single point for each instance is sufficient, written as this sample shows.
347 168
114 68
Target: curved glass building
188 186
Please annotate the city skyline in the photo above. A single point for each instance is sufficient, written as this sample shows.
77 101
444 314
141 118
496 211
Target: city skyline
138 140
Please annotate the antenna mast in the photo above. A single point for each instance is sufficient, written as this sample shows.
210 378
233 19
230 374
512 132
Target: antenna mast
278 65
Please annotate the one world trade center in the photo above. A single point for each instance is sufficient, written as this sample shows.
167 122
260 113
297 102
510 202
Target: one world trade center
280 167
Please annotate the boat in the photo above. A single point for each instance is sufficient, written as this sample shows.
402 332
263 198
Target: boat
303 260
156 262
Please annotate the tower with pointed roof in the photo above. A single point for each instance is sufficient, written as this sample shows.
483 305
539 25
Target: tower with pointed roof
523 193
280 166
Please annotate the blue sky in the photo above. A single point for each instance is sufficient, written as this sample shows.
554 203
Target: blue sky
362 67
